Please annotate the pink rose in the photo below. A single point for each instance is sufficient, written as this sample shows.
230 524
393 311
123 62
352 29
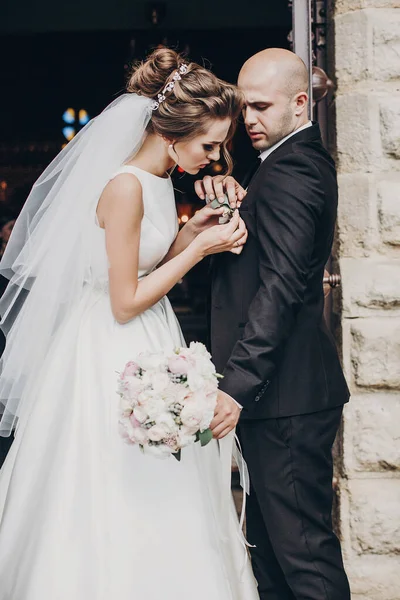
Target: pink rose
131 368
180 365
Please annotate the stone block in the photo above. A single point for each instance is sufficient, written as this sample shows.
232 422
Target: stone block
374 577
370 286
372 41
375 516
357 225
358 133
385 44
389 210
389 108
375 352
352 39
342 6
372 429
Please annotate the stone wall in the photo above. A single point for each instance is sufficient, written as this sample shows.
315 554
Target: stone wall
367 62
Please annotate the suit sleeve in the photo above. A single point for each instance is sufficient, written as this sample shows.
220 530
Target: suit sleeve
288 208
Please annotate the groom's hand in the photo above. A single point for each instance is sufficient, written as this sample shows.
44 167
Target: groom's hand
226 415
216 187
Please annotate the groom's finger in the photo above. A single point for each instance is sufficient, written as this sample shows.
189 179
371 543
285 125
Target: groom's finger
199 189
230 188
217 420
208 183
224 433
222 429
219 187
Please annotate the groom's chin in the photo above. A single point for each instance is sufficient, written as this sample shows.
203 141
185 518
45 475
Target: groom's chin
258 145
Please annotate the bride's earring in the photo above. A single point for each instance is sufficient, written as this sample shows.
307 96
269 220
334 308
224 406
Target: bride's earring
171 146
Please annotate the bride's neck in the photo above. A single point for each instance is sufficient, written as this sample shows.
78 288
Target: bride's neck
153 156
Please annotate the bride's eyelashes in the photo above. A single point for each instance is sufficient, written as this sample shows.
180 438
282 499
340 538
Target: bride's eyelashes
208 147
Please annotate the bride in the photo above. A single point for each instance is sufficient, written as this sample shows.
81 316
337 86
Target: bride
96 248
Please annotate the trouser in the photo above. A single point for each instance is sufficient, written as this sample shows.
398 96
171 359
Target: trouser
297 556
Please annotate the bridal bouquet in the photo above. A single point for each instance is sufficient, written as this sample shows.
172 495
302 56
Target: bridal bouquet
167 400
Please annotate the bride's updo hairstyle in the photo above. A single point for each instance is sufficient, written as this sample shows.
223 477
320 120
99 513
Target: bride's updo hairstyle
197 98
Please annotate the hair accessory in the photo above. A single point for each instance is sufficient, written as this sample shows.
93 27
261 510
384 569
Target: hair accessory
183 69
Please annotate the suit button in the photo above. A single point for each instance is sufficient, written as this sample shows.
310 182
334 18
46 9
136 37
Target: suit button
257 398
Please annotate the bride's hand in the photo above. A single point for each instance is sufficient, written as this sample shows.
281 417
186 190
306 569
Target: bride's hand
216 187
222 238
205 217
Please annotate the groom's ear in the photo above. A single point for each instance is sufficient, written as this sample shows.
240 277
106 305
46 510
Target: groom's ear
301 101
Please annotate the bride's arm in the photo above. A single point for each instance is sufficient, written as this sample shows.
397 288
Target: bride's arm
121 209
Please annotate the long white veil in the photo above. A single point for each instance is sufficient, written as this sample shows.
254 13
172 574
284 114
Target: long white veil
47 259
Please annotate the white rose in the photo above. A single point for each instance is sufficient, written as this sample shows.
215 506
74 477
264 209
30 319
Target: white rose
195 381
133 387
191 416
170 396
178 392
160 382
186 437
199 349
140 414
166 420
206 420
147 379
139 436
154 406
205 367
151 361
126 407
156 433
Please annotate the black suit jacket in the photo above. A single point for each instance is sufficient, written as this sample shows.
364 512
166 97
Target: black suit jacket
268 334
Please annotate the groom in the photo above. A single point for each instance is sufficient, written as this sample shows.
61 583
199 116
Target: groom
270 340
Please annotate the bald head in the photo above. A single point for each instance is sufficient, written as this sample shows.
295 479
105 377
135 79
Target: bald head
284 68
275 85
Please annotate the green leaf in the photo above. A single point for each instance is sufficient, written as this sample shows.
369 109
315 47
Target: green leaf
205 437
177 455
225 204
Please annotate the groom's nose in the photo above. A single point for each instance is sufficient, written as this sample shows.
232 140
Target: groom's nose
250 117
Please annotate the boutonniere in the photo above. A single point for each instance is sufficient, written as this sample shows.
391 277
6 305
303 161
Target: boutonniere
228 210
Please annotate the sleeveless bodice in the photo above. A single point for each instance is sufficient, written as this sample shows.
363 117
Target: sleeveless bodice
159 226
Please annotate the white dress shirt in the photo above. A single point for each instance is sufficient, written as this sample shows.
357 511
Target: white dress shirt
267 152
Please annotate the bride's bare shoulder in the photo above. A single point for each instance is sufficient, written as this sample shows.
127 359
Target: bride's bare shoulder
121 195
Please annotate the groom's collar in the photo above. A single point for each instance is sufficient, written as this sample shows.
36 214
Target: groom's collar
269 151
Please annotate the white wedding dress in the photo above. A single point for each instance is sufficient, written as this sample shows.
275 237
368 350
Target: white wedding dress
84 516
